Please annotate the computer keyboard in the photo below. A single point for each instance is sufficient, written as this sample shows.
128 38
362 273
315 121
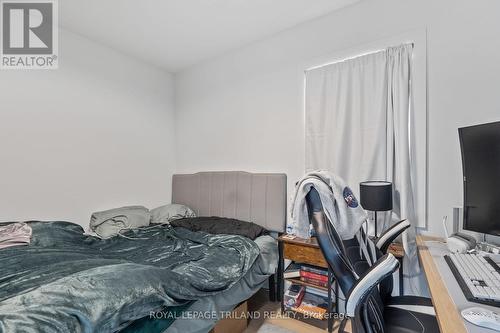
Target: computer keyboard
478 276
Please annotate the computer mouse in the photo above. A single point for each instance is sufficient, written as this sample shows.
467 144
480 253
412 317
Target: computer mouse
482 317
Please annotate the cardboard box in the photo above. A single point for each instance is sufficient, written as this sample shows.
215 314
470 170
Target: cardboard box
236 323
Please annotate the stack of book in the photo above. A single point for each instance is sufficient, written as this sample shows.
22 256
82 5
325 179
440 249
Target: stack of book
309 301
314 275
292 271
313 305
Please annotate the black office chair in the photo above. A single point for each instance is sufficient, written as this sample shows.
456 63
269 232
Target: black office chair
381 247
364 306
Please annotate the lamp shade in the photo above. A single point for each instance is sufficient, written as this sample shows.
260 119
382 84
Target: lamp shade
376 195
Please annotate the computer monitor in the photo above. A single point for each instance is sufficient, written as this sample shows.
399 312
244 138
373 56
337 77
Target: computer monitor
480 146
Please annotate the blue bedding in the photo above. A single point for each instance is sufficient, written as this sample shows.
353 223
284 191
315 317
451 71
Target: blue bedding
65 281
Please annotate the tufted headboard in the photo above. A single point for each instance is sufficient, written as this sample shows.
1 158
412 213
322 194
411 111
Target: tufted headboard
253 197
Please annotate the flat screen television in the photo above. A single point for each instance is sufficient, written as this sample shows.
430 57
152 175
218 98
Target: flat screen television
480 147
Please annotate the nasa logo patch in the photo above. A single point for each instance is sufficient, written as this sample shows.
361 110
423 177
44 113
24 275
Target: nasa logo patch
349 198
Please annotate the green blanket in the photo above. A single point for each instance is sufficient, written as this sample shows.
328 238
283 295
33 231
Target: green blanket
65 281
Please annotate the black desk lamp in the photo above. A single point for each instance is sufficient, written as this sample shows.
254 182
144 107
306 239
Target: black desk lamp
376 196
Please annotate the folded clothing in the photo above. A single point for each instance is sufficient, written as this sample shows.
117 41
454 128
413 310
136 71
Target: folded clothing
14 234
221 225
109 223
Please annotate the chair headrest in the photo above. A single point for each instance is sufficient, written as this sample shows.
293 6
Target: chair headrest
314 201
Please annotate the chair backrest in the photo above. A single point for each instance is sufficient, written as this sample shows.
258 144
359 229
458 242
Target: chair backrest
361 265
330 243
336 255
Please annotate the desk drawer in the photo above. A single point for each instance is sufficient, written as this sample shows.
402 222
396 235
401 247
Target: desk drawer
304 254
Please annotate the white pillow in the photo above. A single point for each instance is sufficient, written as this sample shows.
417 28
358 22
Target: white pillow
168 213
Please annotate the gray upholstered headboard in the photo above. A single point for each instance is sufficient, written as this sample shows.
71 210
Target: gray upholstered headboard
253 197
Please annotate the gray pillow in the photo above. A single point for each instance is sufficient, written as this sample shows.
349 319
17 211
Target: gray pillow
171 212
109 223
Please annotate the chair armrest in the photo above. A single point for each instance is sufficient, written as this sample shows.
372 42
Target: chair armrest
359 293
391 234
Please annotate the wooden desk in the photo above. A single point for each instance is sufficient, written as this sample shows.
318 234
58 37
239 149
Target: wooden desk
449 318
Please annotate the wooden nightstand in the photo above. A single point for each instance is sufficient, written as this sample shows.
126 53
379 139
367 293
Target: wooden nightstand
304 251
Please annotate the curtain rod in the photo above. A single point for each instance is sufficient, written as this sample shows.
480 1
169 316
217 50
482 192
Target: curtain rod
354 57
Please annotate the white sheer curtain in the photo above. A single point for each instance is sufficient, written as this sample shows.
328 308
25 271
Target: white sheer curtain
358 126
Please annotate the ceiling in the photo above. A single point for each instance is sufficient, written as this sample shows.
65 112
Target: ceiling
176 34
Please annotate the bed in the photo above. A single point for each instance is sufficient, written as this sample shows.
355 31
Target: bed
260 198
66 281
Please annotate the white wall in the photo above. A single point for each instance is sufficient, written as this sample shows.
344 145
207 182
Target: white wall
97 133
244 110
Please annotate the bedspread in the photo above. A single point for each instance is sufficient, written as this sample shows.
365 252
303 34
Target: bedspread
65 281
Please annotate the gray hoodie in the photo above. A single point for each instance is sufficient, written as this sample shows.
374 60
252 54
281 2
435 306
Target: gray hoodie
339 204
